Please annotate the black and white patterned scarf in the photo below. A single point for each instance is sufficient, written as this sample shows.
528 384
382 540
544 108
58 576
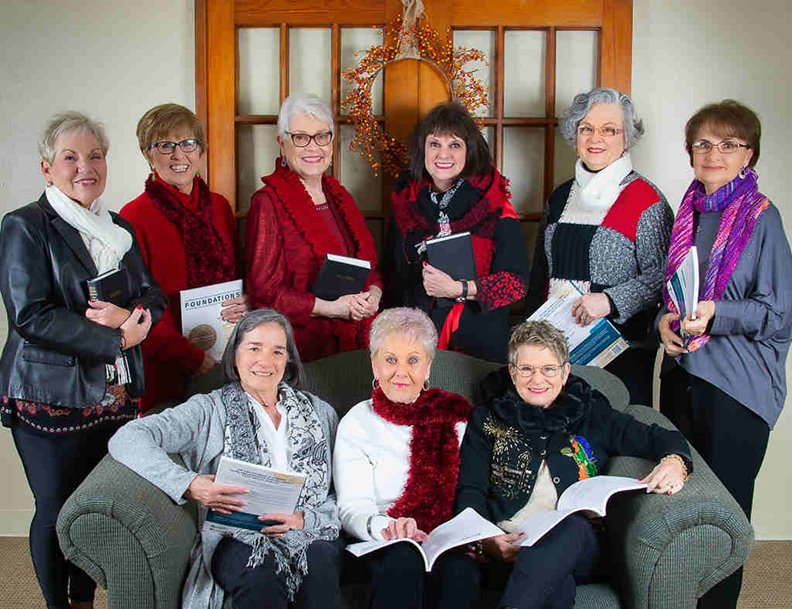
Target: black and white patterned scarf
309 452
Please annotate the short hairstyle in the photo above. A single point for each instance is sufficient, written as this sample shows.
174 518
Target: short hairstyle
161 120
69 122
727 118
539 333
405 321
294 375
582 104
449 119
303 103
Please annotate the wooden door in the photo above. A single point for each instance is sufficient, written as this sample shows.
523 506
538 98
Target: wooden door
250 54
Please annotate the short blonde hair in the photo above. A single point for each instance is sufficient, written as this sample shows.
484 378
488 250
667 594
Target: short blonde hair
161 120
68 122
413 323
539 333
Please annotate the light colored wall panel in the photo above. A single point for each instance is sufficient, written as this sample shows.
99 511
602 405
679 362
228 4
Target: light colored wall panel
259 71
524 73
523 163
309 61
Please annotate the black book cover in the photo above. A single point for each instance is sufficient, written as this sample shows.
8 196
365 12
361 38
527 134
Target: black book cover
111 286
341 275
453 255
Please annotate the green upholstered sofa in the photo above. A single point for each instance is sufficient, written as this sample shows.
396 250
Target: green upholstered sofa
135 542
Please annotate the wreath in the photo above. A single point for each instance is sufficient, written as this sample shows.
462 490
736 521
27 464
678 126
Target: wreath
407 37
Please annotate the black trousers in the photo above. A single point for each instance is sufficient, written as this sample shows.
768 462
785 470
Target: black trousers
263 588
732 440
55 466
635 368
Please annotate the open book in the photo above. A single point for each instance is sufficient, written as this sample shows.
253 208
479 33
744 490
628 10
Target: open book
465 527
589 495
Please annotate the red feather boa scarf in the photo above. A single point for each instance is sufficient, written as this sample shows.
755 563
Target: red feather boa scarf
428 495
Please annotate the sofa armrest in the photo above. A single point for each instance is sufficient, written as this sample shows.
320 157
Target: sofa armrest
129 537
669 550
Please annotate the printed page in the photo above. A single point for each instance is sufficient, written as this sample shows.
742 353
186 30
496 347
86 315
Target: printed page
200 315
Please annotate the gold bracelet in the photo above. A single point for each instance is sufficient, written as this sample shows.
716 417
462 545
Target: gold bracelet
685 474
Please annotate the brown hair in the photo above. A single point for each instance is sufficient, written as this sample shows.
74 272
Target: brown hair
161 120
728 118
450 119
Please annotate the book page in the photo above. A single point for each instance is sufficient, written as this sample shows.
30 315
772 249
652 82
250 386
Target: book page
200 316
362 548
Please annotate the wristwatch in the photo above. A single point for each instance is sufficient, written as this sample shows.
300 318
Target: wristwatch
463 297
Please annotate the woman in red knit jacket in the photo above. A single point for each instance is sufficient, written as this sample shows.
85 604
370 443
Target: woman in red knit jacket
297 217
187 235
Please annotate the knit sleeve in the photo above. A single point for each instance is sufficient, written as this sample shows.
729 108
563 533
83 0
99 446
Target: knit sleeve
508 278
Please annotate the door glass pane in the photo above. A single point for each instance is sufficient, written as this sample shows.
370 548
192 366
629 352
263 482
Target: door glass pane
257 150
259 71
489 135
360 39
356 175
376 226
484 41
524 73
309 61
523 164
565 157
576 66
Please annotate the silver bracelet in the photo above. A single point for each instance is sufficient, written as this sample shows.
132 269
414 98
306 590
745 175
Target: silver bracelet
368 525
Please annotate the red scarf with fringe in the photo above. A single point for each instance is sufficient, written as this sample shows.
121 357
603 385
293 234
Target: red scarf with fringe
428 494
291 192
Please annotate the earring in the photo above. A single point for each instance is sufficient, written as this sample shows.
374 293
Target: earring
198 174
374 384
283 162
743 172
426 385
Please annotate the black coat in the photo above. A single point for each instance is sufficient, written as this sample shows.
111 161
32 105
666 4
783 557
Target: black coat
54 354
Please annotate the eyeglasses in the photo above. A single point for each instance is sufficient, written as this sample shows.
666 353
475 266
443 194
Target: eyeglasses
301 140
528 371
167 147
588 130
724 147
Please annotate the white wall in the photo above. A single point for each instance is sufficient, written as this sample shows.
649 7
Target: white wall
114 59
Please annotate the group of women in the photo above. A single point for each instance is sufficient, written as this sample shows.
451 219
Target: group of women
74 370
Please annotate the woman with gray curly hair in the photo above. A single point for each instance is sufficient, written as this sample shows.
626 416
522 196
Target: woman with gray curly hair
260 416
397 456
300 215
607 231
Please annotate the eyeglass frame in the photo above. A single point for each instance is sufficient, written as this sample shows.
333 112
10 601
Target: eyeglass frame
190 141
311 138
599 130
543 370
695 147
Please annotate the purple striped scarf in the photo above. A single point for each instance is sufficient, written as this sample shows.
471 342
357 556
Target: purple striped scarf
742 204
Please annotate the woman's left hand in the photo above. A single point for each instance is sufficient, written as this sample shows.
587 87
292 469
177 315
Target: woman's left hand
440 284
591 307
234 309
285 522
668 477
106 313
705 311
365 304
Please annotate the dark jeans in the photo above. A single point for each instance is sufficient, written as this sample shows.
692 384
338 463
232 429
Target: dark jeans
732 440
263 588
544 576
55 466
635 368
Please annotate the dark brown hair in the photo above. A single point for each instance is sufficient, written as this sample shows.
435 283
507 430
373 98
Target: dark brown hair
727 118
450 119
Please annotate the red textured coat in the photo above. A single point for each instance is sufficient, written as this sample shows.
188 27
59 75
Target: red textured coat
168 358
285 245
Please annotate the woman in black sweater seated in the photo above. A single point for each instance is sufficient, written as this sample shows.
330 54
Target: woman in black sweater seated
540 431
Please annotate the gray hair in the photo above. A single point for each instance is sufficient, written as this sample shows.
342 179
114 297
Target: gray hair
303 103
294 375
406 321
581 105
539 333
68 122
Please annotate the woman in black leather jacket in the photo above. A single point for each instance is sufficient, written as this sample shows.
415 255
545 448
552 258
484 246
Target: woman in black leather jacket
71 368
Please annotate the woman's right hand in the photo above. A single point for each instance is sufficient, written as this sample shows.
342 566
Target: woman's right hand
106 313
136 327
402 528
219 497
502 547
206 365
672 342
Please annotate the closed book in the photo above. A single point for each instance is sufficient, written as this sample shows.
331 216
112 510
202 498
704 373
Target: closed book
111 286
341 275
452 254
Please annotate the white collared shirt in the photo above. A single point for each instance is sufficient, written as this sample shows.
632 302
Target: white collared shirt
276 440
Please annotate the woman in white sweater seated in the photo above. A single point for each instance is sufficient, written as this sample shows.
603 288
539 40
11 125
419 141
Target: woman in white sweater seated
396 457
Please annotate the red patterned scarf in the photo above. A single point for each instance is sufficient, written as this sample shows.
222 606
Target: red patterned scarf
208 260
428 495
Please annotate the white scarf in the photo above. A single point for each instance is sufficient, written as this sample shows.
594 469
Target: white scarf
598 190
106 241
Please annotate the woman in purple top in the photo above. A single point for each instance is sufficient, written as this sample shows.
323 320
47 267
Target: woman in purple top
723 378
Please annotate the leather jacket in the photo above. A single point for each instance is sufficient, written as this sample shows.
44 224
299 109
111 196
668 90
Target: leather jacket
54 354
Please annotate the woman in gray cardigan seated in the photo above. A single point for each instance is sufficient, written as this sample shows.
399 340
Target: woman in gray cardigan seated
259 416
539 431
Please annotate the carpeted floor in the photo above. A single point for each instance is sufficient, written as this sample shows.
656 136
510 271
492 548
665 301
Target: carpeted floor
767 583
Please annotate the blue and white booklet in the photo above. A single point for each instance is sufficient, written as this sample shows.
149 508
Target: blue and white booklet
683 286
596 344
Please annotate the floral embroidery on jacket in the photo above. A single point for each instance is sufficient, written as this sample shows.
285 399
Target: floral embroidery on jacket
583 455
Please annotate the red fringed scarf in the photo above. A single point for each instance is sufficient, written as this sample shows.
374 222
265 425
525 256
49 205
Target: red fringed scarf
428 495
291 192
208 260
